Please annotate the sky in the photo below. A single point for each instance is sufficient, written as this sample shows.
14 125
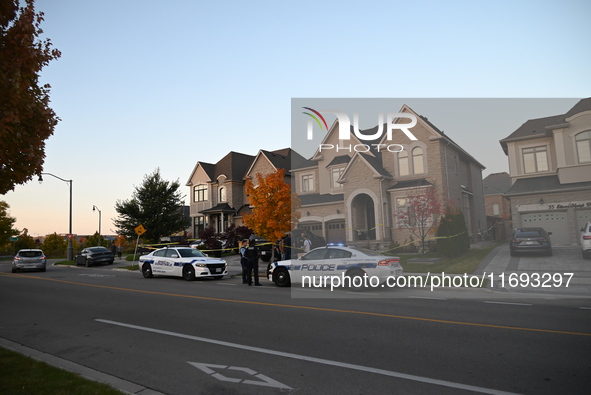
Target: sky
146 85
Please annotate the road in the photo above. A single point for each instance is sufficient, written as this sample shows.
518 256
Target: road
220 336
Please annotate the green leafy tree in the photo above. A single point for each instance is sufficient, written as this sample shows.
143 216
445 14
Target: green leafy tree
25 241
55 246
26 120
96 240
156 204
6 224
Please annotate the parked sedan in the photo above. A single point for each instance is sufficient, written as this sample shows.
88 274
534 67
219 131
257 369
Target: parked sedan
335 261
530 240
29 259
185 262
95 255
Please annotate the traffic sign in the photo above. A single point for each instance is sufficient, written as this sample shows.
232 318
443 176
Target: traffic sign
140 230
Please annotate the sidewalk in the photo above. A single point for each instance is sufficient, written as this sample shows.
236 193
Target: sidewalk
548 274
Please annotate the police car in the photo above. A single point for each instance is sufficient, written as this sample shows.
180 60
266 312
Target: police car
185 262
336 262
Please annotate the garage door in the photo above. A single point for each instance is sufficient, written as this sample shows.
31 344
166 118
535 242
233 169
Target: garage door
335 231
555 222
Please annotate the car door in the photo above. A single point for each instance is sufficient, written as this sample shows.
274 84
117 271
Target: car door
161 263
337 261
309 265
174 262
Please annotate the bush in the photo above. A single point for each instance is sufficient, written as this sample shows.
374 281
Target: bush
454 234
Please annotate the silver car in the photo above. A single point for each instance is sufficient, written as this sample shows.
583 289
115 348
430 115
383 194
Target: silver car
29 259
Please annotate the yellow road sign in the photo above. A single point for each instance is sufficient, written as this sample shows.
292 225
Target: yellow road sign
140 230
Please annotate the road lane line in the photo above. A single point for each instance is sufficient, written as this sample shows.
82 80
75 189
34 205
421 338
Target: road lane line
425 297
367 313
361 368
510 303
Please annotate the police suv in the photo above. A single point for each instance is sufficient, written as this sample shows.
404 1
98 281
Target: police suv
336 262
185 262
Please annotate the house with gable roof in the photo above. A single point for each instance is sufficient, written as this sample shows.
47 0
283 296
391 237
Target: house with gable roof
218 196
550 168
350 196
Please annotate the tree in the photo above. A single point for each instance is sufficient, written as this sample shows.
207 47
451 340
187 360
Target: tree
274 205
54 246
96 240
6 224
421 213
156 204
26 120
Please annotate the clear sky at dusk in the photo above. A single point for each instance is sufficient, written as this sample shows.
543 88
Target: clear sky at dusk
163 84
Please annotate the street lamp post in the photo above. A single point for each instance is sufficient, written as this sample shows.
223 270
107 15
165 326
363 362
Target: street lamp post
70 251
97 209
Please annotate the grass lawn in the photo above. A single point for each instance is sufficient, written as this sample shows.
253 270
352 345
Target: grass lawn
23 375
465 263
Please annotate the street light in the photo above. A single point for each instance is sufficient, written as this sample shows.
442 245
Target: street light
97 209
70 251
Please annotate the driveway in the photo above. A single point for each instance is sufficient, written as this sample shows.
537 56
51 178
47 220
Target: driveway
548 275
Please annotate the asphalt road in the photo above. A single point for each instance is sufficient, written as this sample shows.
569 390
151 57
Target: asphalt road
220 336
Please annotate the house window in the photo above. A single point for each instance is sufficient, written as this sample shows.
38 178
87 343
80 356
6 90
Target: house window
199 225
535 159
200 193
405 216
583 141
417 161
307 182
222 194
495 208
403 168
335 174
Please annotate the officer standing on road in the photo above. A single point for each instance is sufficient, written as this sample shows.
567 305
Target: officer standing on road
252 253
244 260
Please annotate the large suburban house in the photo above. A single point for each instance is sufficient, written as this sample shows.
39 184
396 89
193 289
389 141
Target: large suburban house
550 169
218 197
354 197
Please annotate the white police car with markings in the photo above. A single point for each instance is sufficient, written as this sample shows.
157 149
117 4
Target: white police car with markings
350 265
185 262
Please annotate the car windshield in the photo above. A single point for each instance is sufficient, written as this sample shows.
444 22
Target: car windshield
190 253
528 233
30 254
98 249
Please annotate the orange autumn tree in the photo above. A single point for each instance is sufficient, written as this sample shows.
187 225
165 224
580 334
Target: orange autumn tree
274 206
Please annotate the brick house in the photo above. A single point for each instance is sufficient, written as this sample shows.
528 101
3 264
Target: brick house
217 191
353 197
550 169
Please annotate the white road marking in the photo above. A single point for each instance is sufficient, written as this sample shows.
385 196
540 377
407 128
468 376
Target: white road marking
585 308
425 297
227 284
361 368
514 304
264 381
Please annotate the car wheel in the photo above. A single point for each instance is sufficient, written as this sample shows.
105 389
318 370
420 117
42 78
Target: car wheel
43 269
189 273
586 254
13 270
355 277
147 271
281 277
111 262
513 253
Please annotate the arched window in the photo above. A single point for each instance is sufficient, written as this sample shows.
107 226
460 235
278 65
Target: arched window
200 193
403 168
583 141
222 194
417 161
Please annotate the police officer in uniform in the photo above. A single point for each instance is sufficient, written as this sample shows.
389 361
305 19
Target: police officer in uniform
252 253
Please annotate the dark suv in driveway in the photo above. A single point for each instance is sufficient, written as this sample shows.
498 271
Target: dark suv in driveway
531 240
